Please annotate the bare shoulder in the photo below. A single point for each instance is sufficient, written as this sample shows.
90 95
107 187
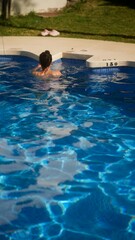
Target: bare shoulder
56 73
38 74
51 73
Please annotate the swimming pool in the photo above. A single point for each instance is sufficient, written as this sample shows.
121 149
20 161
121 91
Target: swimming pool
66 152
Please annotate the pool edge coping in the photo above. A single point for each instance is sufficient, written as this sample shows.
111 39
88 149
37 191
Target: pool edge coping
91 60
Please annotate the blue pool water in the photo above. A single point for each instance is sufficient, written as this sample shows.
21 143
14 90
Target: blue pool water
67 152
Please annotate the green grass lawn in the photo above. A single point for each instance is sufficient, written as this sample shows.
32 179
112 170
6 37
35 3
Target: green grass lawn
91 19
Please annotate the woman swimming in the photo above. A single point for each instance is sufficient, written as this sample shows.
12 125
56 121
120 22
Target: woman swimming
45 60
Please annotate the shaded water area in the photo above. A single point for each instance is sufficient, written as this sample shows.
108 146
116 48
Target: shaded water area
67 150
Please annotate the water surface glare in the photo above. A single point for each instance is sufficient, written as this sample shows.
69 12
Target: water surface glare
67 152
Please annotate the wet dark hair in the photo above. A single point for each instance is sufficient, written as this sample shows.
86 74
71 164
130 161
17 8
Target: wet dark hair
45 59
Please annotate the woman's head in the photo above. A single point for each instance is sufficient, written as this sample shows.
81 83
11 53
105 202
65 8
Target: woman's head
45 59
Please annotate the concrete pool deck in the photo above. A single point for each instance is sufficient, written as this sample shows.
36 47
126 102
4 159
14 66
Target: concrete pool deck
97 53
